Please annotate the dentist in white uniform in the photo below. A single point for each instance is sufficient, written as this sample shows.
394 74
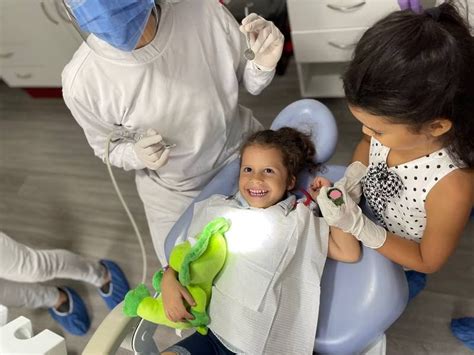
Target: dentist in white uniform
172 70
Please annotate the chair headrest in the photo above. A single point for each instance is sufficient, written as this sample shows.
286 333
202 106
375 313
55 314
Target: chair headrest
311 116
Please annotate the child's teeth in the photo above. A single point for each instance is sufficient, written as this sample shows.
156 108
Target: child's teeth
257 192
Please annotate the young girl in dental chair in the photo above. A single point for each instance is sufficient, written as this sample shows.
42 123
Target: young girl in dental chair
266 298
411 86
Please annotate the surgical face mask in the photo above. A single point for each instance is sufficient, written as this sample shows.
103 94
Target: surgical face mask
120 23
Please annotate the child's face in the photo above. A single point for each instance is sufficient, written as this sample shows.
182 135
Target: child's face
263 179
397 137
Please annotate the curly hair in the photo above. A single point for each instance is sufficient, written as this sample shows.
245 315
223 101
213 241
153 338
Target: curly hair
296 147
415 68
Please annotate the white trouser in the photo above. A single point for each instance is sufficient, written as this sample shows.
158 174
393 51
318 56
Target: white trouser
163 207
21 267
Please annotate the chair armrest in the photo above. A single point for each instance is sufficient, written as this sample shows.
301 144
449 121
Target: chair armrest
111 333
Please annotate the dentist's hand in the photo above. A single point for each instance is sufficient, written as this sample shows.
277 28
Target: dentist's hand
151 150
265 39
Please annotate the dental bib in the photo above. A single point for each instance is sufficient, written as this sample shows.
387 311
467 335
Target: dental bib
271 276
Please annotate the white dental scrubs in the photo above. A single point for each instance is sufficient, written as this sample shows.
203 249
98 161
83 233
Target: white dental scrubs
185 85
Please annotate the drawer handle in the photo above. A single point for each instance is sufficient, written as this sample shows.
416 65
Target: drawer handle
342 46
24 76
46 13
6 55
346 8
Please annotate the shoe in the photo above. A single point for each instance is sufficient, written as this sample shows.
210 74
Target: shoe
463 329
416 283
118 286
76 320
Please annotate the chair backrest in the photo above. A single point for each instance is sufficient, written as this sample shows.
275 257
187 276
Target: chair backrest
359 301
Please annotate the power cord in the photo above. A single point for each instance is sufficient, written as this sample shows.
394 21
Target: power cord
125 134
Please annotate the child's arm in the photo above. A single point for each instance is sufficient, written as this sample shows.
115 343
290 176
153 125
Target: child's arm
174 295
445 220
447 206
343 246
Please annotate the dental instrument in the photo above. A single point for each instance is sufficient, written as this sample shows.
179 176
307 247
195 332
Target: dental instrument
249 54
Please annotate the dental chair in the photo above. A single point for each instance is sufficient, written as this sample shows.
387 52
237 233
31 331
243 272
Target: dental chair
359 301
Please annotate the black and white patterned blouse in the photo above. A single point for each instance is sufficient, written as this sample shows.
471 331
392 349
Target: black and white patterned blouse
397 194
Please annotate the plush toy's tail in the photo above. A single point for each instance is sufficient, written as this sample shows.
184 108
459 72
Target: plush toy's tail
133 299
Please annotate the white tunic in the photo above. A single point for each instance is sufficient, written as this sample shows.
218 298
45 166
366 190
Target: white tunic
266 298
406 215
184 84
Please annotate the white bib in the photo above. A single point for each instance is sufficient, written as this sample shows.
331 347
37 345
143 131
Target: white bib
266 298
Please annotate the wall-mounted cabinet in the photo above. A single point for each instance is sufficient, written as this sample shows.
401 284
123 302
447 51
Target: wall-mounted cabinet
36 42
324 35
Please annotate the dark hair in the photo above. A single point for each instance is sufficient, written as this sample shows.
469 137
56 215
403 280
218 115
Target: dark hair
296 147
414 68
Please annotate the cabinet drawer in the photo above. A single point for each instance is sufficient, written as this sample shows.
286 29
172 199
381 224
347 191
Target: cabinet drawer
32 76
21 54
308 15
326 46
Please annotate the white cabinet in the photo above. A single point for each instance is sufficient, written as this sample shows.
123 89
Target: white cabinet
324 34
36 42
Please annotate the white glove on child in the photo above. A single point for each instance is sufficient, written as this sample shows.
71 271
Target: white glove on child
350 219
151 150
265 39
351 180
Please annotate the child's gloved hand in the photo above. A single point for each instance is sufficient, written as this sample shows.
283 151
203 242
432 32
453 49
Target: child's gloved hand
174 294
352 180
265 40
151 150
349 217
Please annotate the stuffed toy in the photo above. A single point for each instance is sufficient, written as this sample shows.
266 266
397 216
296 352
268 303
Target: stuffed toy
197 266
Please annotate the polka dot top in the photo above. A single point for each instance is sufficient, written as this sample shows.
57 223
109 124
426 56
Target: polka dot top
397 194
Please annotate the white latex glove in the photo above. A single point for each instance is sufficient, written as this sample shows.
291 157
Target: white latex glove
151 150
265 39
350 219
351 180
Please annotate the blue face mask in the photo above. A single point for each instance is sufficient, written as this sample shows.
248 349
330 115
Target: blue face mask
120 23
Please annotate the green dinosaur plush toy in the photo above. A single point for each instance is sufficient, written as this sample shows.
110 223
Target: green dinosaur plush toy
197 266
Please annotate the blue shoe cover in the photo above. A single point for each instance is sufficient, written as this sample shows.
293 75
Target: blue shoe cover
416 283
463 329
118 287
76 321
